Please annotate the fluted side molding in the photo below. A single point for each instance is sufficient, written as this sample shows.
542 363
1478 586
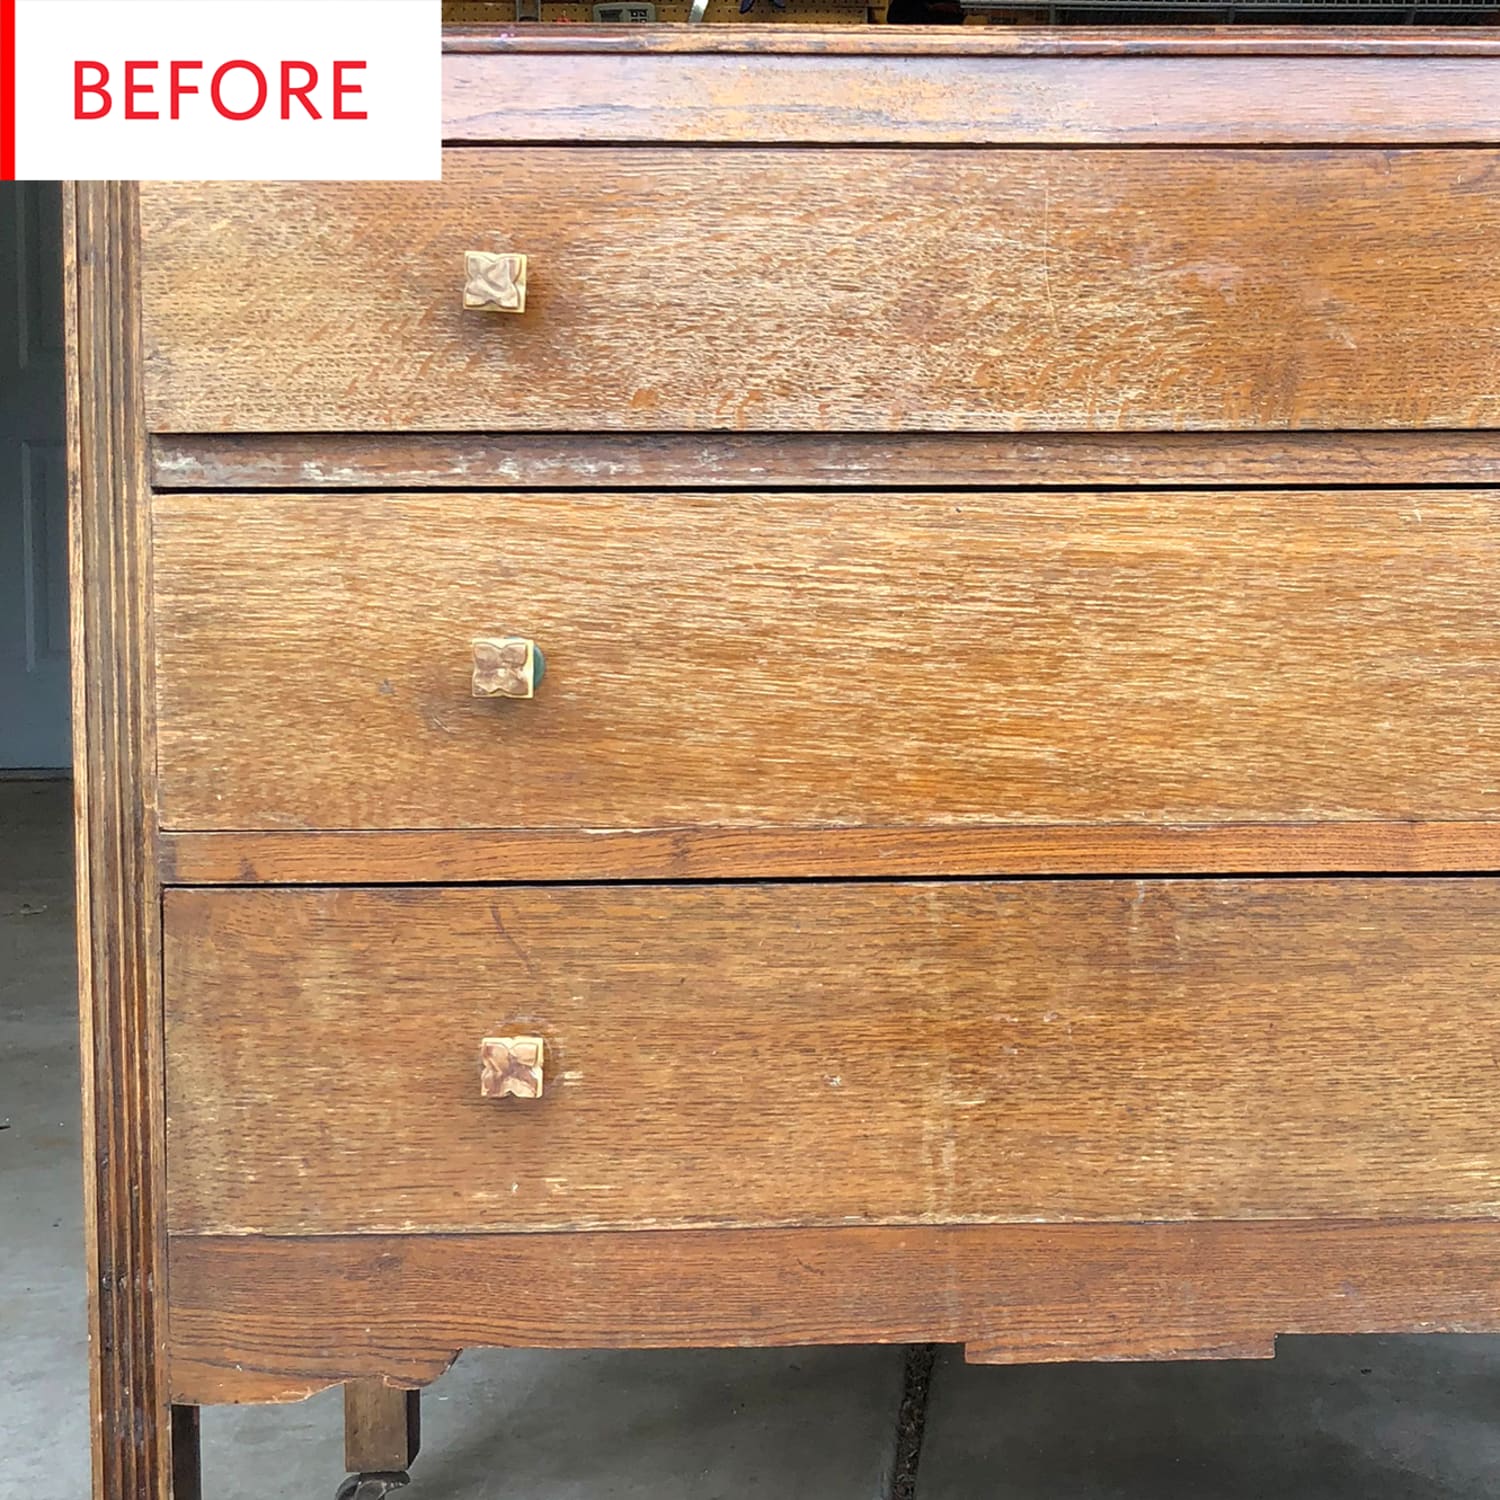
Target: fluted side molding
118 895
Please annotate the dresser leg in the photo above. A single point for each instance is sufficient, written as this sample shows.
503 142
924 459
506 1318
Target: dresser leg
187 1465
382 1433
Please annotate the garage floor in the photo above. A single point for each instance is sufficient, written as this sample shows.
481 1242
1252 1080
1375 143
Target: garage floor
1366 1419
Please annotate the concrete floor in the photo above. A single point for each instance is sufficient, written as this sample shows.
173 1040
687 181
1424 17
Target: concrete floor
1329 1419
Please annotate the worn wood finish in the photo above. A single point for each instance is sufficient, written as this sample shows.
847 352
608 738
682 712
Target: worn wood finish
448 857
996 41
1111 543
1252 290
521 460
275 1319
1019 100
382 1427
878 1053
802 661
118 913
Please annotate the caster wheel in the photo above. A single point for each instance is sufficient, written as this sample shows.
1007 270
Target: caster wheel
371 1486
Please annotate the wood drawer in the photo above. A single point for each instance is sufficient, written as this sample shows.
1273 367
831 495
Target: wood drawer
830 290
873 660
833 1054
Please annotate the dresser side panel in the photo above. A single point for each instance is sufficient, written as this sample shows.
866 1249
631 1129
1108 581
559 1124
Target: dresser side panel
118 894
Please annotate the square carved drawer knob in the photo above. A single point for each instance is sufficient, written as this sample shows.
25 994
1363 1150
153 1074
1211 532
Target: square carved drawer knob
510 1065
506 666
494 283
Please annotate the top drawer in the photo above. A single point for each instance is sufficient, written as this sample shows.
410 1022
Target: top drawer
837 290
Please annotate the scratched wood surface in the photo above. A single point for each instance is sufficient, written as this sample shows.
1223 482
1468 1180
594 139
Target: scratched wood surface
256 1319
830 660
1059 100
764 1055
856 460
837 290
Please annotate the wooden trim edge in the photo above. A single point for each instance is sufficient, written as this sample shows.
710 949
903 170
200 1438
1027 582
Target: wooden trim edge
921 460
261 1318
340 857
1114 96
989 41
118 894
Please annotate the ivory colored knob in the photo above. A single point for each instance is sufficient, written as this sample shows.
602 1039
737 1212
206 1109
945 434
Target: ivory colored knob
494 283
510 1065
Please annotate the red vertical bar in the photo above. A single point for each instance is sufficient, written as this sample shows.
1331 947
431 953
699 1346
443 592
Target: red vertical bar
7 90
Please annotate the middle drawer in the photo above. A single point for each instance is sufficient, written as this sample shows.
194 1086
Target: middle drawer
878 660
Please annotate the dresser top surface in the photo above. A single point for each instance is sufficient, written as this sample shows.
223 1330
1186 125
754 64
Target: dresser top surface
986 41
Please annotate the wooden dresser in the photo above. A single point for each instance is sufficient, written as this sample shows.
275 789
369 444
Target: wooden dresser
847 690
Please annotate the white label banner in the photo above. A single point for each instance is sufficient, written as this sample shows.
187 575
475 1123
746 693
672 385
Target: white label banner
228 89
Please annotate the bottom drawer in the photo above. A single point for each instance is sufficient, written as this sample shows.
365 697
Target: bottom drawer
800 1054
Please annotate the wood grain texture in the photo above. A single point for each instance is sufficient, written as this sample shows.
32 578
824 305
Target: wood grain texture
523 460
118 911
820 1054
888 661
1068 290
382 1427
994 41
275 1319
468 856
953 99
